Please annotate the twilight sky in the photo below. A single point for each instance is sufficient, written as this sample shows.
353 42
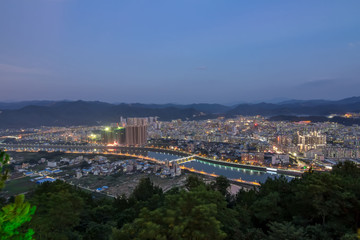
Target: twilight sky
179 51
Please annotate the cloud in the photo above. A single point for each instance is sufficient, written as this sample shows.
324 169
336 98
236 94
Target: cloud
201 68
318 83
354 44
7 68
327 88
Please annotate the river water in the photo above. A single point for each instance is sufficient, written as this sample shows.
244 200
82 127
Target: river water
227 171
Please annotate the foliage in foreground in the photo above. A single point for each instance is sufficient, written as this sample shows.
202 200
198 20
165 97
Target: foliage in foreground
14 215
317 206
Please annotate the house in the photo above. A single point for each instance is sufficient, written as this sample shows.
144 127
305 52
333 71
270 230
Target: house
51 164
45 180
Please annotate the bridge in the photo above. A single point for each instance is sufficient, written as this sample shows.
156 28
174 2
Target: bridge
136 152
133 152
86 148
184 159
78 149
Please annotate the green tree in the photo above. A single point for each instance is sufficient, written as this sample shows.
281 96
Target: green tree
14 215
97 231
193 181
267 208
222 185
186 215
4 172
318 197
348 174
145 190
286 231
59 210
349 236
317 232
346 169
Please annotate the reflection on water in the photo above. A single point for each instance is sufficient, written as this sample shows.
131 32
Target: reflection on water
227 171
231 172
162 156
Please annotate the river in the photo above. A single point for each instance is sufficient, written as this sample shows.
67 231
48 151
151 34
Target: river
227 171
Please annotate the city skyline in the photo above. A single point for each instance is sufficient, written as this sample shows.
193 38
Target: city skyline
179 52
190 119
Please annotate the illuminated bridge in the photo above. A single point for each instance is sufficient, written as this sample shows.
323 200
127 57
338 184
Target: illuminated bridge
137 152
87 148
184 159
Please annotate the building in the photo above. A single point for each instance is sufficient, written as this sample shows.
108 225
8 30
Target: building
315 154
113 135
280 159
252 157
119 134
341 153
45 180
283 140
136 131
130 131
312 140
52 164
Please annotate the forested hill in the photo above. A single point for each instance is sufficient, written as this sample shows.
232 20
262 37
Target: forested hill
86 113
295 108
318 206
66 113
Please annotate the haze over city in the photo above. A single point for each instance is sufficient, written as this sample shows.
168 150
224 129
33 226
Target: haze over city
179 51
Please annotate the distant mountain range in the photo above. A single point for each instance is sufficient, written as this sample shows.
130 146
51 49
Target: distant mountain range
66 113
85 113
18 105
299 107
